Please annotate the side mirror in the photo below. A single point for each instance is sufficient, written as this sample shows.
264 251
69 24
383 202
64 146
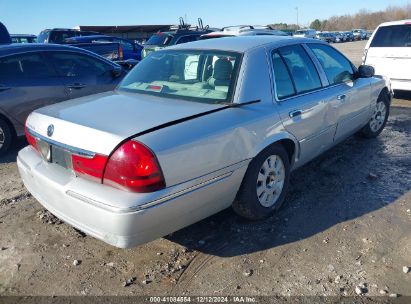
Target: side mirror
128 64
365 71
116 71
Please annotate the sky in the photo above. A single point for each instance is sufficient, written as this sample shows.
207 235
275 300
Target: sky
32 16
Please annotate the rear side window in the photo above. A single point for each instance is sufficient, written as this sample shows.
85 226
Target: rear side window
160 39
74 65
303 72
61 36
337 68
283 83
25 66
392 36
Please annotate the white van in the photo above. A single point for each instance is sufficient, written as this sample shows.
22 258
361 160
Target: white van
389 52
306 33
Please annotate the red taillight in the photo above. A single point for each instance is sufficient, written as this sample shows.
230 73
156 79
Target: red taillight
120 53
30 138
89 167
134 167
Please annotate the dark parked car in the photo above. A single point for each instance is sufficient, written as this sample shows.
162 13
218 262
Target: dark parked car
348 36
36 75
328 37
131 50
182 33
4 35
23 38
59 35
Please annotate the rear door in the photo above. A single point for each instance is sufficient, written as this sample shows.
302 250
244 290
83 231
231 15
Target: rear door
307 109
28 82
352 96
389 51
82 74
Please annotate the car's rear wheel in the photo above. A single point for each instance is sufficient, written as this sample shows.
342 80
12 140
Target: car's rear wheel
379 117
265 184
6 136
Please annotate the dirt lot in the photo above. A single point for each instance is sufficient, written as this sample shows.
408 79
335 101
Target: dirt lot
346 223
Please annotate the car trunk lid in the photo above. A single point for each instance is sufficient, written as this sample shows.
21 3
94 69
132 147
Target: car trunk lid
99 123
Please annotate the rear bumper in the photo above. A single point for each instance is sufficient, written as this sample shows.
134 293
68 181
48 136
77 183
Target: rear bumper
120 218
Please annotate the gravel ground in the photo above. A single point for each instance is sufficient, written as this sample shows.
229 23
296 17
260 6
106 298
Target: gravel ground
344 229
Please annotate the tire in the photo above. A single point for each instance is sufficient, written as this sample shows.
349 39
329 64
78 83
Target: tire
260 178
6 137
379 117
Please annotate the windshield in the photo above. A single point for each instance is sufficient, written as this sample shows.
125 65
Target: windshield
201 76
160 39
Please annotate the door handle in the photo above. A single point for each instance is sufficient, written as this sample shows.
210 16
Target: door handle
295 113
76 86
341 97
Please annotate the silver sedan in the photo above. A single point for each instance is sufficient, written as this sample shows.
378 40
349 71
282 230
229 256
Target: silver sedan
195 129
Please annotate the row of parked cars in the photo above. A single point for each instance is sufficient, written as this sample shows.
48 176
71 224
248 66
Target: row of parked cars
334 37
193 129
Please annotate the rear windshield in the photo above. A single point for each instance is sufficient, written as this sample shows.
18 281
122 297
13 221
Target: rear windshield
200 76
159 40
393 36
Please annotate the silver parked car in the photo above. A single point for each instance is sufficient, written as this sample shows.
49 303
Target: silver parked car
194 129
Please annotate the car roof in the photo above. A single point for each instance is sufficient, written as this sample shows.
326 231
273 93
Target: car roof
23 35
242 44
398 22
17 48
88 37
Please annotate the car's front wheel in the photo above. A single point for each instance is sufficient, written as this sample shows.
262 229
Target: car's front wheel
6 136
265 184
379 117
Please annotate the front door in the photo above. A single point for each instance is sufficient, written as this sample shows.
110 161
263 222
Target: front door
351 94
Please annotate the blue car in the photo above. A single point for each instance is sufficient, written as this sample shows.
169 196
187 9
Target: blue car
131 50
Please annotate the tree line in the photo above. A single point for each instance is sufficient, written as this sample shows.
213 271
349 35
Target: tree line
364 19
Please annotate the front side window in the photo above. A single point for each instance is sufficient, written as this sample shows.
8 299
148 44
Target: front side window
393 36
201 76
301 68
186 39
26 66
74 65
337 68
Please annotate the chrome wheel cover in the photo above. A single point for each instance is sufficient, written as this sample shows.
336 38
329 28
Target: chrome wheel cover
270 181
378 117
